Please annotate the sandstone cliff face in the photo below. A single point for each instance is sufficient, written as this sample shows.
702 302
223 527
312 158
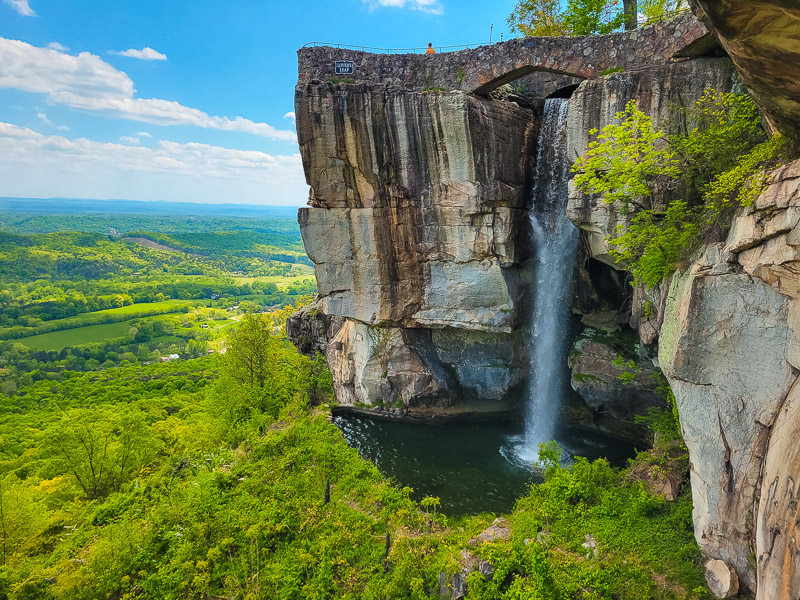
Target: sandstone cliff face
763 39
729 348
417 204
727 332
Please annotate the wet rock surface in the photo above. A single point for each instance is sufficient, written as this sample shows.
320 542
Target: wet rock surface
616 387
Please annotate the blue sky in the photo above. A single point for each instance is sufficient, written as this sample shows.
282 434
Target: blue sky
183 100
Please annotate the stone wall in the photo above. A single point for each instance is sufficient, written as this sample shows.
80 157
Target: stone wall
484 68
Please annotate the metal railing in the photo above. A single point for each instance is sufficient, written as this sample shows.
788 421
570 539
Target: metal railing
376 50
421 50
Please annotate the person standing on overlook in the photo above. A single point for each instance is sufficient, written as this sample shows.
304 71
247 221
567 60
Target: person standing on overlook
430 49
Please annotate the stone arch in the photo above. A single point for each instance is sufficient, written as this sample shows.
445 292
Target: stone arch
488 87
563 92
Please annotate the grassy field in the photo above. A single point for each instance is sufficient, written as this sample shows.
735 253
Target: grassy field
298 273
57 340
136 309
88 334
109 316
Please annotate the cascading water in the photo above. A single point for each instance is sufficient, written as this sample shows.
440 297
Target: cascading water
555 239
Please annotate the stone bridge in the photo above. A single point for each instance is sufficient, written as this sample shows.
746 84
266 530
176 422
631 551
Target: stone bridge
482 69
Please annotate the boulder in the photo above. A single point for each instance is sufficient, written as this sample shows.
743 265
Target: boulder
455 587
499 530
662 469
722 580
613 390
590 544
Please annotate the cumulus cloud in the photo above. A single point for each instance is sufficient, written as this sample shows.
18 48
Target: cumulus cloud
428 6
146 53
129 139
57 46
35 164
290 115
43 118
143 134
89 83
22 7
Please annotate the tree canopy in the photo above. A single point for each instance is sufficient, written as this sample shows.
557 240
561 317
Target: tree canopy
587 17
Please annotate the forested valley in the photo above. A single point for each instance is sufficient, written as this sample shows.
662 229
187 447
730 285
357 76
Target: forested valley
160 438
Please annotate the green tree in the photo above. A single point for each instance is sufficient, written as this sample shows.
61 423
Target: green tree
101 449
537 18
658 10
22 517
716 163
551 18
265 366
251 351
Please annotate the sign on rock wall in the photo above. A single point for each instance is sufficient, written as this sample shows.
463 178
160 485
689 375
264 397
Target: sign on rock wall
344 67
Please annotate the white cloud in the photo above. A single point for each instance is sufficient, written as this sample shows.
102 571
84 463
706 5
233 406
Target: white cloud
428 6
38 165
87 82
146 53
22 7
57 46
290 115
43 118
143 134
129 139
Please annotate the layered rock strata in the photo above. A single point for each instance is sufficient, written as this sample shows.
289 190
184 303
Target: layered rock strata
417 204
729 346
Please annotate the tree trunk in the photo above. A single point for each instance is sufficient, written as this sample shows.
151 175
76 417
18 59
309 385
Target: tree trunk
630 10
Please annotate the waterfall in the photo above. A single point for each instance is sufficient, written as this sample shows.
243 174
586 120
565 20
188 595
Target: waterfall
555 239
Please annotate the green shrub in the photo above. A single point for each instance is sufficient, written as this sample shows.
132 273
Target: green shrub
716 163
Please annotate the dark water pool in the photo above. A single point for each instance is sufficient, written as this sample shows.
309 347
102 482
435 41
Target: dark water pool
472 467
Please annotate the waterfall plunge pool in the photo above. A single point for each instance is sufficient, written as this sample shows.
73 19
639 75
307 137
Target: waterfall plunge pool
471 467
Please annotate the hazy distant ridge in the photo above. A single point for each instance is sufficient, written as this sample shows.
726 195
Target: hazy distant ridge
88 205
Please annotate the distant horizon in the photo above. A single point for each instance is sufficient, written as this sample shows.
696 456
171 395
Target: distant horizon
199 202
157 208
